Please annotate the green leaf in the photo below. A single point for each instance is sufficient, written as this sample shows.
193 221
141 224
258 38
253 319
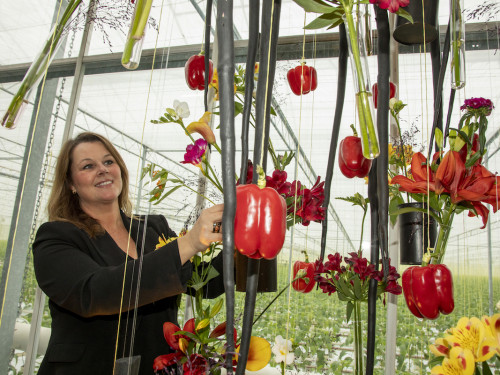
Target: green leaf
438 134
314 6
169 192
238 108
216 308
357 288
393 207
324 20
403 13
348 310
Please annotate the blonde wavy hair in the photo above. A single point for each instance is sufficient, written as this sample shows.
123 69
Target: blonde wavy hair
63 205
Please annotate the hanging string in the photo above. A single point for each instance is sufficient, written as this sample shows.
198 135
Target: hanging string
141 256
30 149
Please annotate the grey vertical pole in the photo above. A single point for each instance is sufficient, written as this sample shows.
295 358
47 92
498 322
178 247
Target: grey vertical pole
20 227
392 300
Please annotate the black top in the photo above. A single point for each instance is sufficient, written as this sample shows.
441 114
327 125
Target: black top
83 278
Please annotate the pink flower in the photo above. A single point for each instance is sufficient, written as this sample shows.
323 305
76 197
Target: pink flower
391 5
194 153
485 106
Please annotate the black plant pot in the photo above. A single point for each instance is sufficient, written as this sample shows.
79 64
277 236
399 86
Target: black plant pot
413 33
415 229
268 274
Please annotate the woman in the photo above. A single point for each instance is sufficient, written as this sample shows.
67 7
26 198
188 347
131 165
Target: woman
87 260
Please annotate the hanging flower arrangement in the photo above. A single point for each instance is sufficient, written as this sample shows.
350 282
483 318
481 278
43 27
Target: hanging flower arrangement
455 180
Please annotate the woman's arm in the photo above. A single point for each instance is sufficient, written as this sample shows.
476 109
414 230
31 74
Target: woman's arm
72 271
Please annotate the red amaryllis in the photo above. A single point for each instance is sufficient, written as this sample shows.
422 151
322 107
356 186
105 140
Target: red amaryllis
469 186
194 153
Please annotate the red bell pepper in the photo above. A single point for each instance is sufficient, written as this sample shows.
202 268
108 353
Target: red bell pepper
428 290
306 283
302 79
352 163
392 92
194 71
260 221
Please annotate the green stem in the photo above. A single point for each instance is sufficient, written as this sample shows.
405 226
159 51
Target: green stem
443 235
140 24
141 15
367 128
358 339
362 228
403 159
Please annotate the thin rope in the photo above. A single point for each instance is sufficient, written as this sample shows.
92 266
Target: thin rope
141 256
26 168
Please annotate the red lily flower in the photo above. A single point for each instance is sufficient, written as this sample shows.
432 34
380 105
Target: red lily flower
176 341
419 171
162 362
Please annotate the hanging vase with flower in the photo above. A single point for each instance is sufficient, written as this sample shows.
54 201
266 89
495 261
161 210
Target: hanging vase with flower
38 68
355 27
457 34
133 46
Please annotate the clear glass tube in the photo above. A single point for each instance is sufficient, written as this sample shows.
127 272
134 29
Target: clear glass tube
32 78
355 27
457 29
132 51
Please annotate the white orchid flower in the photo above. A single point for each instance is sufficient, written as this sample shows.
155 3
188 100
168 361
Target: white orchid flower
181 108
283 350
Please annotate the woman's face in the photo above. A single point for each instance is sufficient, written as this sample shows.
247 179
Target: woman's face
95 175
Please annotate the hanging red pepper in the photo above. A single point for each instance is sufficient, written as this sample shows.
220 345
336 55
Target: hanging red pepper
260 221
428 290
392 92
352 163
194 71
302 79
306 283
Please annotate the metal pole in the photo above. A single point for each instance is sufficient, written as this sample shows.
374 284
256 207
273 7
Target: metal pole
392 300
79 73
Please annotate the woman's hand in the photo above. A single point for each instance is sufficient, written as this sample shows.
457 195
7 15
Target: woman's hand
202 234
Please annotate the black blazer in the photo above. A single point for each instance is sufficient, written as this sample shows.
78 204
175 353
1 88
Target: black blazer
83 278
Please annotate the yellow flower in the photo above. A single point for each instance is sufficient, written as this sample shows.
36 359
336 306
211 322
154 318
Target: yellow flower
202 126
472 334
215 84
259 353
460 362
162 241
440 347
492 324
